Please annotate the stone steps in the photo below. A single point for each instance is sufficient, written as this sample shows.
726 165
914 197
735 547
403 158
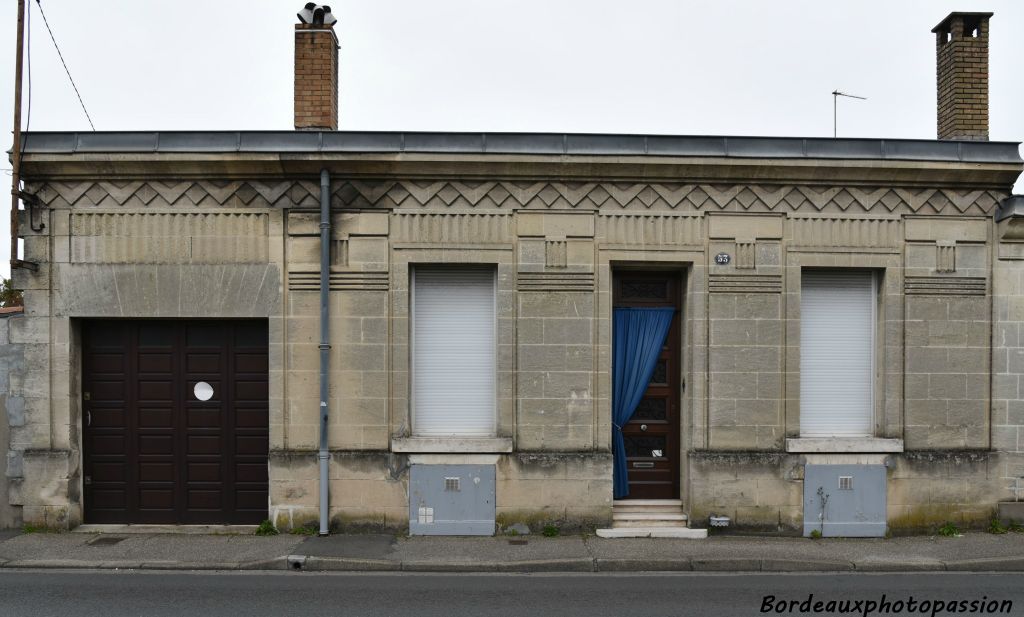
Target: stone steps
650 518
652 532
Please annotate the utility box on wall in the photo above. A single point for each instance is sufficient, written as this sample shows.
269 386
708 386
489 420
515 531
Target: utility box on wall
845 500
451 500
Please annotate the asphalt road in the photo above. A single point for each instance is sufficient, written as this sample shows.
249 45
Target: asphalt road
155 594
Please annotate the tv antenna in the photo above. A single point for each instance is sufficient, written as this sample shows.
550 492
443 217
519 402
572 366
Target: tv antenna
835 97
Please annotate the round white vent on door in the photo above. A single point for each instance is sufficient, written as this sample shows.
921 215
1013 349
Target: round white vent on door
203 391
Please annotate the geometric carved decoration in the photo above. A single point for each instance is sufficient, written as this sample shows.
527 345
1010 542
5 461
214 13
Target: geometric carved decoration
945 286
177 237
830 232
452 228
745 283
555 253
609 196
945 257
745 255
639 230
339 281
555 281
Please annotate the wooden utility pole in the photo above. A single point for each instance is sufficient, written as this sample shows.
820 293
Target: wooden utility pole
16 149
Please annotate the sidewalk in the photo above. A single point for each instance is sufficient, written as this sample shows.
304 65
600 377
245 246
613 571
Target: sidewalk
971 552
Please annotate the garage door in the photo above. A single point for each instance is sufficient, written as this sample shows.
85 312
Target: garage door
175 421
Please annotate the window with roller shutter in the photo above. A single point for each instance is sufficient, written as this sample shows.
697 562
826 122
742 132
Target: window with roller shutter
837 341
453 352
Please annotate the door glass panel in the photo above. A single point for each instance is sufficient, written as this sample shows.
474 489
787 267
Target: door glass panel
660 374
651 409
645 445
644 290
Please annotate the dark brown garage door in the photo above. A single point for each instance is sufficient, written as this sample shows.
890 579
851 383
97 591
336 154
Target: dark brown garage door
155 452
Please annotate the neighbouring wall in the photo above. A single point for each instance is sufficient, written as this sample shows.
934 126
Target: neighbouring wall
12 412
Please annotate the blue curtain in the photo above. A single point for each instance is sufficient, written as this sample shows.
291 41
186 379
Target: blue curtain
637 339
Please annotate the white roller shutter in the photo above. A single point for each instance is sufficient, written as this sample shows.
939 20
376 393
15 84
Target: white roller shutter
453 352
837 332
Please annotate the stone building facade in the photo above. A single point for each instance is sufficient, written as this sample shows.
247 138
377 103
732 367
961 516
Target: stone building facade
179 227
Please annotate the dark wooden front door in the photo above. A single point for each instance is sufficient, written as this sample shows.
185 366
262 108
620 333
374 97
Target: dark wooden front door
154 451
652 435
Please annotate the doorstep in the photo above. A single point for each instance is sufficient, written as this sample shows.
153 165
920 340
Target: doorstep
246 530
653 532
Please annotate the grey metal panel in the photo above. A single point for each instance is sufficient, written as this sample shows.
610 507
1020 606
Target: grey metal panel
606 144
765 147
989 152
1012 206
117 142
922 150
444 142
669 145
468 511
844 148
855 513
280 141
196 141
48 142
523 143
367 141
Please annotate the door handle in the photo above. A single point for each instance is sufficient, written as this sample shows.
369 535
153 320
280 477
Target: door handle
88 418
643 427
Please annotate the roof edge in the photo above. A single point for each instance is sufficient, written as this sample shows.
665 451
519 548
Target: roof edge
565 144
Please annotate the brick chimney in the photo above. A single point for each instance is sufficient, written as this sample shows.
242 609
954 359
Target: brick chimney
316 70
961 58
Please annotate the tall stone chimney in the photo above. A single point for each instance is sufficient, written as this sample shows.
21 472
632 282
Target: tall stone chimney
961 58
316 70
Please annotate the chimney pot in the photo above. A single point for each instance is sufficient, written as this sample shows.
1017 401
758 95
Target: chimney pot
961 58
316 70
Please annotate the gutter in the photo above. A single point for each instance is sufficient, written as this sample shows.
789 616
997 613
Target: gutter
325 344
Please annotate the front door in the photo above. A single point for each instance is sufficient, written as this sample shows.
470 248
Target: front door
652 434
175 421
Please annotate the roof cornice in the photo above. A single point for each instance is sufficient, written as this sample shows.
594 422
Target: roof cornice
521 155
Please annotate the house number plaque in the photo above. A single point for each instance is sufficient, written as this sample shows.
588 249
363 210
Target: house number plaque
723 259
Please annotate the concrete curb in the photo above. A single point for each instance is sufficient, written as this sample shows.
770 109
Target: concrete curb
351 564
540 565
642 565
992 564
805 565
715 564
347 564
899 566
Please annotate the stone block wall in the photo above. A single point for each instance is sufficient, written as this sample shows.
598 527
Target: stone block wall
1008 358
948 325
12 362
745 345
756 490
251 248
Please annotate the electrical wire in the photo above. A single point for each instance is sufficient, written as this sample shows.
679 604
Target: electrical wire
52 38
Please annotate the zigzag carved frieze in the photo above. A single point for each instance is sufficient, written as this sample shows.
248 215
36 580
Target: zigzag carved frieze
442 194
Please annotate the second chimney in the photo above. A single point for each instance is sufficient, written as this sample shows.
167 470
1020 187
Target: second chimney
961 57
316 76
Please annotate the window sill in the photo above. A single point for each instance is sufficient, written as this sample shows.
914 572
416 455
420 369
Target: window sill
841 445
467 445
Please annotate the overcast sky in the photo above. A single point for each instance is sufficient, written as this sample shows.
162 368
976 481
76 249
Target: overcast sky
715 67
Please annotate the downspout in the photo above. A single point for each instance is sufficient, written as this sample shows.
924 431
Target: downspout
325 343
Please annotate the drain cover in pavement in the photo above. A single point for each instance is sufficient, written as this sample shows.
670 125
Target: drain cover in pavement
518 542
105 541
